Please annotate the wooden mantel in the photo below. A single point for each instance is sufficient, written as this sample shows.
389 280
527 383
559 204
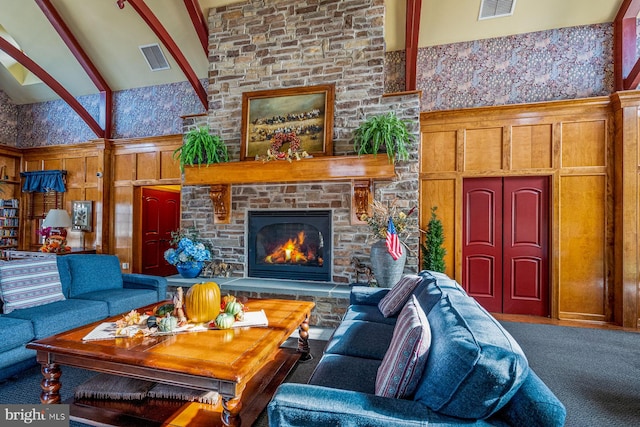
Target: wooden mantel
326 168
360 170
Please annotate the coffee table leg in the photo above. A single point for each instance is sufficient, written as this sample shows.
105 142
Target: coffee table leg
230 411
50 384
303 341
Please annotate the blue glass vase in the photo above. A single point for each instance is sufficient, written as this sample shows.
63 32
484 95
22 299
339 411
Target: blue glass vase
189 270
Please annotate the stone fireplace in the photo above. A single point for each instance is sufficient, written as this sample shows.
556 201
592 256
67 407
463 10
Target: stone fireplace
294 245
258 45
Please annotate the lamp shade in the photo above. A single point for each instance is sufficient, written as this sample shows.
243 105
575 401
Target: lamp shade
57 218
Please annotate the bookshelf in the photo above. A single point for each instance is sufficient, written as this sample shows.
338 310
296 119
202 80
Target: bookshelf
9 224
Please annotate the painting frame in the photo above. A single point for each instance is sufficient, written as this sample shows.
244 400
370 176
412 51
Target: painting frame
266 111
81 215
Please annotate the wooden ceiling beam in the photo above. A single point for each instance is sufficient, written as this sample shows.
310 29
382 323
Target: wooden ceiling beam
47 79
411 43
105 114
625 59
199 23
156 26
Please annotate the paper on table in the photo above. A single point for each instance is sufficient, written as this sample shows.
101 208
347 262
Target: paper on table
252 318
104 331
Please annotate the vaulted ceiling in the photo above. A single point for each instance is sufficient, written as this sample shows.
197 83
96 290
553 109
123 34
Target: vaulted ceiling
110 36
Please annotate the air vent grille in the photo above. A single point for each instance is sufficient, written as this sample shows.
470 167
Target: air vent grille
496 8
154 57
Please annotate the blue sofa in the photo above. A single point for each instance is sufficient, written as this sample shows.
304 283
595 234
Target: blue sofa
473 372
93 288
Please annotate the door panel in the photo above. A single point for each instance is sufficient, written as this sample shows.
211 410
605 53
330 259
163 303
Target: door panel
526 236
482 236
160 216
505 243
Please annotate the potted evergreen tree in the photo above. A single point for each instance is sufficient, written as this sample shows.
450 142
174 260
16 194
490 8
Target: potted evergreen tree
432 250
384 132
200 147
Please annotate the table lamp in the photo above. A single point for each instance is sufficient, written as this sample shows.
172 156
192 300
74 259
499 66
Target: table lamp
56 221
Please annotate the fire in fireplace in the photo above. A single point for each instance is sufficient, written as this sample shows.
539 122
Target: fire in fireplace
289 244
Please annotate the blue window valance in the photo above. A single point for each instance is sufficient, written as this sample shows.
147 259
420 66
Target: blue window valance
43 181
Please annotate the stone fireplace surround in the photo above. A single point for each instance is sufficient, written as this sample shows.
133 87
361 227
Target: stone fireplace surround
261 44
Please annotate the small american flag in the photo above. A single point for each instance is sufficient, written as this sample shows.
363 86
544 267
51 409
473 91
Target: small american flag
393 242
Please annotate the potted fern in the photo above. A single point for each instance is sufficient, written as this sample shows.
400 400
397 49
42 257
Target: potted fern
200 147
384 132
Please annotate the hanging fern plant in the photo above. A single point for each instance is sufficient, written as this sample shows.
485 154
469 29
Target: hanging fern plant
386 131
200 147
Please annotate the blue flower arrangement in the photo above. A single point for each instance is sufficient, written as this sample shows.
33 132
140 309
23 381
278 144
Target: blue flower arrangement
189 248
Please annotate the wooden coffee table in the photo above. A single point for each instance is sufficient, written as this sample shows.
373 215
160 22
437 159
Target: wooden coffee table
244 365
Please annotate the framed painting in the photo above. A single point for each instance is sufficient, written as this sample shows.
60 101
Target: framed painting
81 215
271 119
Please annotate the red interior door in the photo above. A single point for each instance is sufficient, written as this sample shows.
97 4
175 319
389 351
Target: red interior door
160 216
526 238
505 243
482 237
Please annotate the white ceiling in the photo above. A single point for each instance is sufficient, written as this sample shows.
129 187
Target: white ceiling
111 36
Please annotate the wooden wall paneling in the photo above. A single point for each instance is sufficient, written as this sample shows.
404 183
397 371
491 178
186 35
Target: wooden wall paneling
169 167
33 165
582 247
138 162
440 193
483 149
52 164
123 223
626 106
124 167
584 144
531 147
76 172
148 166
438 151
523 140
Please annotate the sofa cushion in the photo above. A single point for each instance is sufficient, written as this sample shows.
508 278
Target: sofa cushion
61 316
122 300
29 282
474 365
346 373
90 272
369 313
15 332
399 294
360 339
404 361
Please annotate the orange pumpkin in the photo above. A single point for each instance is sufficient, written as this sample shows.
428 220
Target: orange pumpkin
202 302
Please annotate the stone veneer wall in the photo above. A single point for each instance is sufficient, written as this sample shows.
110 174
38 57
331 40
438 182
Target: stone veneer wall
266 44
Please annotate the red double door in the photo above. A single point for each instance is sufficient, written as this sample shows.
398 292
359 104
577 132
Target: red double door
505 243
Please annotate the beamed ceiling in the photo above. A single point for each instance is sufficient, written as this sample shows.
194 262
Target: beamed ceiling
84 47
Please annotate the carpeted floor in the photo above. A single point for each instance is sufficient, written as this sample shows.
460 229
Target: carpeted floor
594 372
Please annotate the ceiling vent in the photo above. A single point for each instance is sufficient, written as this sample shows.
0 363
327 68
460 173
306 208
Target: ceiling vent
154 57
496 8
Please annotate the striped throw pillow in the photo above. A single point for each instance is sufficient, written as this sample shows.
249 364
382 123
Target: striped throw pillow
397 297
29 283
404 362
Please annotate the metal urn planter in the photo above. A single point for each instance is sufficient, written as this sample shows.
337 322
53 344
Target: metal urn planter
386 270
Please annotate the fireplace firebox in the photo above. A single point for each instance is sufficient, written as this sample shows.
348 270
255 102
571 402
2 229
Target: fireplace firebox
293 244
